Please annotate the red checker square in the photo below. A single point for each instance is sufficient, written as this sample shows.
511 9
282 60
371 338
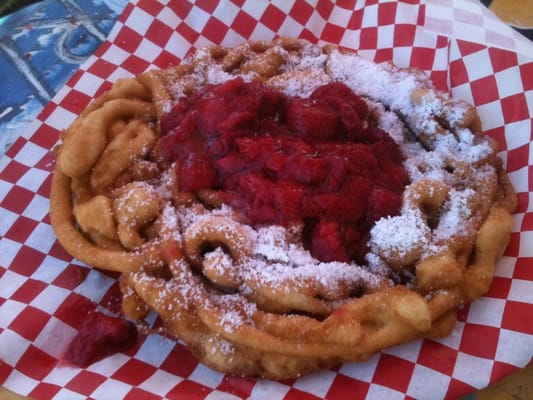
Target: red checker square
17 199
518 158
458 73
499 288
308 35
30 322
85 382
180 362
112 299
159 32
76 76
527 222
332 33
501 370
13 171
103 48
188 390
182 8
135 65
526 71
440 80
28 291
244 24
21 229
325 8
44 391
272 18
422 57
71 276
356 19
301 12
514 107
437 356
45 136
343 384
165 59
15 147
128 39
523 269
27 261
236 385
104 87
457 389
75 101
387 13
498 134
383 55
393 372
187 32
480 340
74 310
36 363
102 68
47 111
368 38
295 394
517 316
403 35
502 59
46 164
514 244
484 90
151 7
466 47
207 5
5 370
215 30
137 393
126 13
59 252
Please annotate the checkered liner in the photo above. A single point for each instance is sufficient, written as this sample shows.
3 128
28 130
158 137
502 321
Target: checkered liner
45 294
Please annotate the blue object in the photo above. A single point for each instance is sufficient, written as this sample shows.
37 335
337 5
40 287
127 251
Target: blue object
41 46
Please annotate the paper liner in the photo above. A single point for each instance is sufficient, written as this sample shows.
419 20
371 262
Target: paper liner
45 294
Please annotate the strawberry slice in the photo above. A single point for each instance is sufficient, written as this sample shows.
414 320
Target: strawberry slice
311 119
100 336
327 242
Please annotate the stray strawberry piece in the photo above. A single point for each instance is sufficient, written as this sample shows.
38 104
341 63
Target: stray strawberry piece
100 336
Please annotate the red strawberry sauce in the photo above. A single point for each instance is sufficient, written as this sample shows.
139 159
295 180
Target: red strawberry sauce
280 159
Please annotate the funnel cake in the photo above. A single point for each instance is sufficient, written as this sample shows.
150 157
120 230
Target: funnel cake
273 240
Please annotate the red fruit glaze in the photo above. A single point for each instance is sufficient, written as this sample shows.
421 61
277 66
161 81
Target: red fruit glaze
279 159
100 336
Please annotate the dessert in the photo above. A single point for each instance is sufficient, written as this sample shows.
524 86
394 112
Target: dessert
284 207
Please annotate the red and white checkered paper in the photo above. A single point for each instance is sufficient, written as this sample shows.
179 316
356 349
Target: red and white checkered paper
45 294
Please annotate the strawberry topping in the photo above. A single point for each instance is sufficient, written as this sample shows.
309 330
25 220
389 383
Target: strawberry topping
281 159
